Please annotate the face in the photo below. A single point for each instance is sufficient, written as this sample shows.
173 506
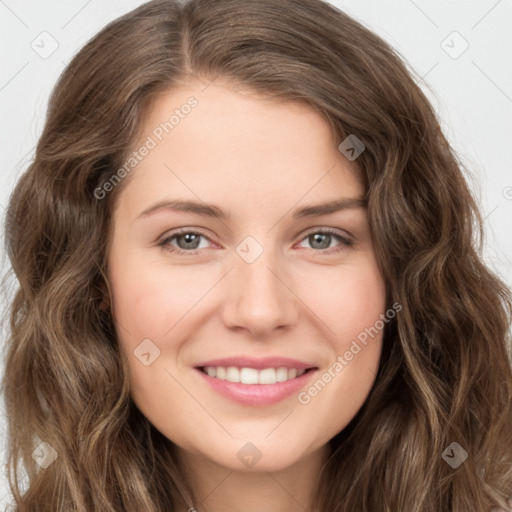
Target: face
252 283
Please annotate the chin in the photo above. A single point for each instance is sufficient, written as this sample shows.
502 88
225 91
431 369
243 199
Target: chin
269 463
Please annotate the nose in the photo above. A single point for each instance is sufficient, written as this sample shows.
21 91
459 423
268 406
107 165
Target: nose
259 297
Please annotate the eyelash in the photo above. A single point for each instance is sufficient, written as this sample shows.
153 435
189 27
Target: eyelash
345 242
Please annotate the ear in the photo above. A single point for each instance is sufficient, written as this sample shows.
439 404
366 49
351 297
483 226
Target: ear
105 303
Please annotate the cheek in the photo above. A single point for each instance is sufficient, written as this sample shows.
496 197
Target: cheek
147 302
149 299
351 307
348 301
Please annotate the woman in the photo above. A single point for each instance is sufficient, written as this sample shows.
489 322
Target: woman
255 369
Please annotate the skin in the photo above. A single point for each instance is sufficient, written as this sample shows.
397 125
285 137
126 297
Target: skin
259 160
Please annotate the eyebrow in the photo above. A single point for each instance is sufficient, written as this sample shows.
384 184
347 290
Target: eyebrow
210 210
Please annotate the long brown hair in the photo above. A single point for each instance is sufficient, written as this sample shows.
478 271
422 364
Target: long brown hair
445 375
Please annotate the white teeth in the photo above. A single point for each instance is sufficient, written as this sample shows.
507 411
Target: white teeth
267 376
282 374
253 376
232 374
248 376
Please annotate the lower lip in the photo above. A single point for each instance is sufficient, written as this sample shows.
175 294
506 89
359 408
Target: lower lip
257 394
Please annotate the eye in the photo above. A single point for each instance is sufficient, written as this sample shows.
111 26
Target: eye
321 239
188 242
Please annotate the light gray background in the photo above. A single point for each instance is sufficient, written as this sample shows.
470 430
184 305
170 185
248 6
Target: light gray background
472 91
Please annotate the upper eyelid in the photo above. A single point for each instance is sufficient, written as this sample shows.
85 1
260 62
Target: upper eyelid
336 231
309 231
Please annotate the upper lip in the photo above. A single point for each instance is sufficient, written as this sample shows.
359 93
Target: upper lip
258 364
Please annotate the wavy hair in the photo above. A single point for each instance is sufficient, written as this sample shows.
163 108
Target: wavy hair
445 374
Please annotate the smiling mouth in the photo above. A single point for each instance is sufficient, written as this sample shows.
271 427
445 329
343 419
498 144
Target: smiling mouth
245 375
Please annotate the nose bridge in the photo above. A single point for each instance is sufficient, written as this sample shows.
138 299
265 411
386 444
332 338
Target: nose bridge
257 299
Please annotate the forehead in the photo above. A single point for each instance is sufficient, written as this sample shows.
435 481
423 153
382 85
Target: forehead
234 144
224 111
